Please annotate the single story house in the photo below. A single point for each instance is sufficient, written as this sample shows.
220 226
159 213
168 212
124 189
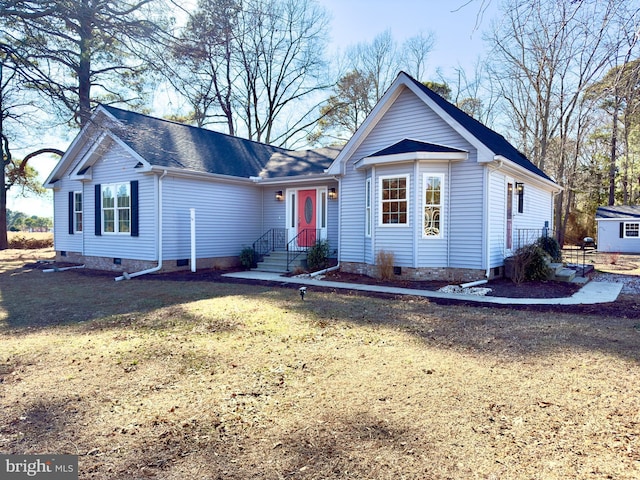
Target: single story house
619 229
420 179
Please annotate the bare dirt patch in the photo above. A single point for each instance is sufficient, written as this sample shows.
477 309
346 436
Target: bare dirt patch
210 379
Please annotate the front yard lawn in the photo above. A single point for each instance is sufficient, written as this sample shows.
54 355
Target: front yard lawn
201 380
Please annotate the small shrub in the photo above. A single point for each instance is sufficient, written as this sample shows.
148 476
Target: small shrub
248 258
613 257
318 255
385 261
530 264
551 246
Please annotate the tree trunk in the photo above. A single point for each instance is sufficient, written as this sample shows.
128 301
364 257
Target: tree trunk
612 164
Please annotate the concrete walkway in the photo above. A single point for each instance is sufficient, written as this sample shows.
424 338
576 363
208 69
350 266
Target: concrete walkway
591 293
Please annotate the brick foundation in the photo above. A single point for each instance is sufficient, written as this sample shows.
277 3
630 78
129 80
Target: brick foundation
454 275
131 265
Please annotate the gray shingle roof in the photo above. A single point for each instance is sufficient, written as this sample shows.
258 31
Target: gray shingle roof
170 144
493 140
410 146
620 212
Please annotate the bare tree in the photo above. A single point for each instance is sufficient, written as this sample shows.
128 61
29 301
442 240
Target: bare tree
255 66
82 50
546 54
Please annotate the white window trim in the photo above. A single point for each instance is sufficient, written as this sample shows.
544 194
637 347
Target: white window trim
426 176
116 209
368 208
76 212
625 230
381 202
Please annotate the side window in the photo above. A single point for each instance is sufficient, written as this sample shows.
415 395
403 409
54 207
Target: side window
520 195
77 212
632 230
116 208
367 212
433 197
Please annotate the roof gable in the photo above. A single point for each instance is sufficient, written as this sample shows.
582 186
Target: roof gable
491 139
479 135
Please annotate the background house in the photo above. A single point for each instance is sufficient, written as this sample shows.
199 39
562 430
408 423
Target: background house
618 229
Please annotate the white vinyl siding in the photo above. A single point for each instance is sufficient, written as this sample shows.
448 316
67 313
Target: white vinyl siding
228 217
117 166
613 235
497 218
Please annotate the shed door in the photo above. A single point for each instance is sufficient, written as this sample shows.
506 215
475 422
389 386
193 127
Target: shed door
307 224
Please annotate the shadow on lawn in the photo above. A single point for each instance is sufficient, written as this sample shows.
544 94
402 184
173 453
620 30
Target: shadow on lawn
78 296
35 300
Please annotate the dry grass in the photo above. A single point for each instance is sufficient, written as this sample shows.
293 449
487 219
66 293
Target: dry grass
151 379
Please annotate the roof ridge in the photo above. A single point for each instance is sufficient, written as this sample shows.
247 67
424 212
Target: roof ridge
200 129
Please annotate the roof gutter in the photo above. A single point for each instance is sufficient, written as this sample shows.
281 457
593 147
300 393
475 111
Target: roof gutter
129 276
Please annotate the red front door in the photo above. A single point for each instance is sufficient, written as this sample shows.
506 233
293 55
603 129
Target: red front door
306 218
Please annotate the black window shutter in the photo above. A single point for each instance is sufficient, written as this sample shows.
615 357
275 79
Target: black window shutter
135 225
71 202
98 210
621 229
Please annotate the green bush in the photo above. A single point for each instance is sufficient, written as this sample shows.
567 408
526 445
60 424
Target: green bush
529 264
318 255
551 246
248 258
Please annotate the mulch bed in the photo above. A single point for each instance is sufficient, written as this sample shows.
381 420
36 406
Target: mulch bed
626 306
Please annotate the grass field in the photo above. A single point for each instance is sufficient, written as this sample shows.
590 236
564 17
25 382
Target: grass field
196 380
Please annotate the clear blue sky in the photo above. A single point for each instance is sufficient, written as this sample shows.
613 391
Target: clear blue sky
458 42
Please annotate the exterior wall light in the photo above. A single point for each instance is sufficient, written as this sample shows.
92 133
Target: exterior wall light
279 196
332 193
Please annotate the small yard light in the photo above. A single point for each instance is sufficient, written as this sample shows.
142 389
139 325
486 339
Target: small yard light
302 291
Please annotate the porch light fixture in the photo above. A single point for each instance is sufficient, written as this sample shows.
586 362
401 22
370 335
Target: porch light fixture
279 196
332 193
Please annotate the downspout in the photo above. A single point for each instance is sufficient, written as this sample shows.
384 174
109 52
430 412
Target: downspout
488 237
128 276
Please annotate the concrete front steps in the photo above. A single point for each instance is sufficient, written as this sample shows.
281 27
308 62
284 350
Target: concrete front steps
576 274
276 262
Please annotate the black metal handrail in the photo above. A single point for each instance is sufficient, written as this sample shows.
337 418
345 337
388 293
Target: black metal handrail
301 243
274 239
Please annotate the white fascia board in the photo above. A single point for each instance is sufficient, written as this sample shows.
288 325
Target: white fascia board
510 167
81 139
411 157
90 157
192 174
482 149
